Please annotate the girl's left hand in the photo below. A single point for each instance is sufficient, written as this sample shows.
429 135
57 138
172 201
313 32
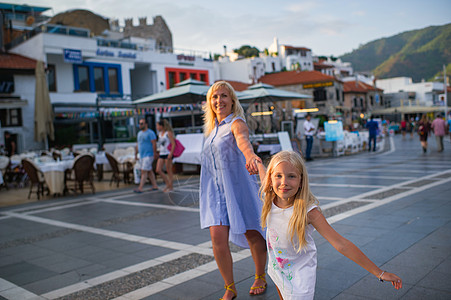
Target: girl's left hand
169 156
395 280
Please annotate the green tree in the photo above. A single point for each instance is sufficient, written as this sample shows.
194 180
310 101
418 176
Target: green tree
247 51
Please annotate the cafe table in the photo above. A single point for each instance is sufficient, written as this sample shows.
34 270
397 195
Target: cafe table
102 160
54 174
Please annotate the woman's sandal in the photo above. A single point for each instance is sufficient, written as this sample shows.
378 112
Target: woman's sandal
229 288
262 277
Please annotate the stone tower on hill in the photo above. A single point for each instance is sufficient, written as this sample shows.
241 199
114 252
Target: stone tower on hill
158 31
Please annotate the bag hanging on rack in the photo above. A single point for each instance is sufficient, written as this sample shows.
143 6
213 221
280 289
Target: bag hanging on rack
178 148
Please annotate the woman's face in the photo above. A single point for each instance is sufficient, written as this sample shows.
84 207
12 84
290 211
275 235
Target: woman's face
221 103
159 127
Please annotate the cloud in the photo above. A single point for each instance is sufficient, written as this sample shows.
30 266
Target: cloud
304 7
360 13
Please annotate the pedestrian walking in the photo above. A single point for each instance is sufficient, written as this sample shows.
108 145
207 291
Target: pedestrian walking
290 214
229 203
165 138
372 129
423 130
411 127
404 128
449 128
439 127
309 130
10 144
147 149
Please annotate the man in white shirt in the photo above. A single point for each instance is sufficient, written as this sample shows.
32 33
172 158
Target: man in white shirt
309 130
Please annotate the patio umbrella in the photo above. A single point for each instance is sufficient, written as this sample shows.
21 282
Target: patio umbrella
262 93
265 92
189 91
43 113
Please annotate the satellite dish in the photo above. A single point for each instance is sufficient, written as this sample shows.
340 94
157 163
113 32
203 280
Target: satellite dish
30 20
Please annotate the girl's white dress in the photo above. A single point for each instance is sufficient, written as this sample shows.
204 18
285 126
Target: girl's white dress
293 273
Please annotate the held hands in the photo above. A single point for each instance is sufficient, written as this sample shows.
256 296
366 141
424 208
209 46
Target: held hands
395 280
252 164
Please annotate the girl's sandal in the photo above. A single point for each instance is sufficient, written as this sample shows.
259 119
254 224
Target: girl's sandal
262 277
229 288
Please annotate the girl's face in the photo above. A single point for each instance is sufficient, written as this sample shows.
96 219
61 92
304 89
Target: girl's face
159 127
221 103
285 181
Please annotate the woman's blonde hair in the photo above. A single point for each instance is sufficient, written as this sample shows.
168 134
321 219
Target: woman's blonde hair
424 118
302 200
166 126
210 116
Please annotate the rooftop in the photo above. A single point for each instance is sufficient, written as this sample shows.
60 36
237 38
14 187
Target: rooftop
12 61
296 77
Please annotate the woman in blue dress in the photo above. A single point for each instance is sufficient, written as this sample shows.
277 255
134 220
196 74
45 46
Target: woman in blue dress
229 203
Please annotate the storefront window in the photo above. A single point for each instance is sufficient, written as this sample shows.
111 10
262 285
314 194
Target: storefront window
51 77
171 79
83 79
11 117
112 78
99 81
104 79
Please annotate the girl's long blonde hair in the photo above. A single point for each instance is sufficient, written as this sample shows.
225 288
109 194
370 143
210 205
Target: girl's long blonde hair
166 126
210 116
302 200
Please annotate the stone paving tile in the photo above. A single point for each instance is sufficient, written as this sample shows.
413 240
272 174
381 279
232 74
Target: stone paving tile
386 194
126 284
419 293
419 183
342 208
371 288
341 192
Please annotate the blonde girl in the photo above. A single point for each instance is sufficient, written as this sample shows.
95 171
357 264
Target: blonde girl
165 138
290 214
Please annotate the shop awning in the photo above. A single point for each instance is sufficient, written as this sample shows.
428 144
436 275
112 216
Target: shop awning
407 110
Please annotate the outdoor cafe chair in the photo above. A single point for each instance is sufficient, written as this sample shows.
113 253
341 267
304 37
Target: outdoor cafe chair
35 177
125 168
4 166
82 173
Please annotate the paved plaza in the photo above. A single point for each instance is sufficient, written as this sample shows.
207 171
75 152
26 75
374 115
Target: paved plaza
394 204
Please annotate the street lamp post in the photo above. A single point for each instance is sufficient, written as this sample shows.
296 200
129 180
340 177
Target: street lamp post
445 88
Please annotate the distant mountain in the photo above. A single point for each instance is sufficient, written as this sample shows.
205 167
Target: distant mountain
419 54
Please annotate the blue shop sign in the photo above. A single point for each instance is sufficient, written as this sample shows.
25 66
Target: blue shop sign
73 56
334 131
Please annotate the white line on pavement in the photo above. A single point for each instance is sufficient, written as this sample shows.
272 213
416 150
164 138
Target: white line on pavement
9 290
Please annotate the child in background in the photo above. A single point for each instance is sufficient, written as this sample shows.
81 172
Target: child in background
290 214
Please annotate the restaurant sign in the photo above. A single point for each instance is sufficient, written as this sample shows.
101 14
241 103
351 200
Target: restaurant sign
110 53
318 84
73 56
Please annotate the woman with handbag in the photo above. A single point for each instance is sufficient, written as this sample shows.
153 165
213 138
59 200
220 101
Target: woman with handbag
423 130
165 138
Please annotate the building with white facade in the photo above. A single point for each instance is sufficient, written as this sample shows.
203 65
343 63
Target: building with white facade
425 93
291 57
93 80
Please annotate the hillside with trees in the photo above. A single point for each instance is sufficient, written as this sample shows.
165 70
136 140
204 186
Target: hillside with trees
419 54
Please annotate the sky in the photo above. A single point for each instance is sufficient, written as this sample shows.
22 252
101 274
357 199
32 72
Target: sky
327 27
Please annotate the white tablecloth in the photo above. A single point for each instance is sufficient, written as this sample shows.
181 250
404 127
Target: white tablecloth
54 174
272 148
